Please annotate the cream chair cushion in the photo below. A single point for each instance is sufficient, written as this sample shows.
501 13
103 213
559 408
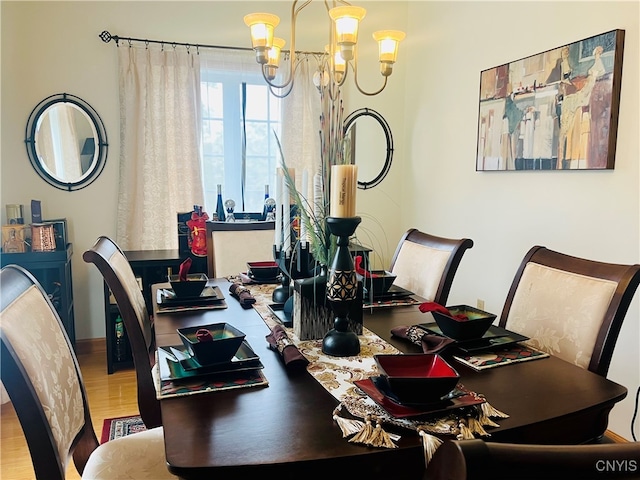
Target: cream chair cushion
232 249
560 311
137 456
419 268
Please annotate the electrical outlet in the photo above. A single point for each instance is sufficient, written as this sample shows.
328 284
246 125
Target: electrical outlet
480 304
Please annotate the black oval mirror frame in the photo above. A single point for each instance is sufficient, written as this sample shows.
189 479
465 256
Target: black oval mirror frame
349 121
89 154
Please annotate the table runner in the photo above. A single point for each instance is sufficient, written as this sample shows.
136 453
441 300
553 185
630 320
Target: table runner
365 419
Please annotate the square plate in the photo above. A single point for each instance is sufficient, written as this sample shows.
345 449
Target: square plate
393 293
209 294
374 389
187 366
278 310
494 337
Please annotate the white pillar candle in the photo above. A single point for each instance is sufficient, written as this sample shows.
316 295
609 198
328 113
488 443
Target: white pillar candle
304 195
286 216
278 236
344 179
317 196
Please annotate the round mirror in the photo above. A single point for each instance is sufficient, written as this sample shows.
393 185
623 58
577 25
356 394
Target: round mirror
66 142
374 147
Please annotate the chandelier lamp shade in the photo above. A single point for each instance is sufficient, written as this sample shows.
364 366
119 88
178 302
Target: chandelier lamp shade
340 53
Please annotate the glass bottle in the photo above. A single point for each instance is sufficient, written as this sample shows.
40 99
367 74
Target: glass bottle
220 205
120 345
265 208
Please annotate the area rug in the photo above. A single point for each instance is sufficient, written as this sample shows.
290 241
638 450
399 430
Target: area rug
113 428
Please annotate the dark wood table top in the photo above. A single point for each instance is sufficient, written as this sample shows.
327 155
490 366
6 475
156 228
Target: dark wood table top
287 427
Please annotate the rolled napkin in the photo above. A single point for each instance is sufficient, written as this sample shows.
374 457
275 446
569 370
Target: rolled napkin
184 269
436 307
242 294
357 263
429 342
279 341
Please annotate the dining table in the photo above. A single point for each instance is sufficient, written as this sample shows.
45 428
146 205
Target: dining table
286 427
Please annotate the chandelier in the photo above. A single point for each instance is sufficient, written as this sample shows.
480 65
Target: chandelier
340 54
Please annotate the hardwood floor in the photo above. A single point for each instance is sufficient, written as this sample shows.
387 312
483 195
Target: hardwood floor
109 396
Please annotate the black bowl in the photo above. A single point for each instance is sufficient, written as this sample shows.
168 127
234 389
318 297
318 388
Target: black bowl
417 378
379 282
474 327
267 270
193 287
223 345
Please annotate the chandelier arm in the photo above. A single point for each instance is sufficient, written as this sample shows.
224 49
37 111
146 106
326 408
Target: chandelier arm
355 79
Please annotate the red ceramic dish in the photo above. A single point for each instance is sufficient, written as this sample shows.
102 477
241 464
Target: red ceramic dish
417 378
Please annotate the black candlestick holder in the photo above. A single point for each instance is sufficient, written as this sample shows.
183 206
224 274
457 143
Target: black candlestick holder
342 289
292 268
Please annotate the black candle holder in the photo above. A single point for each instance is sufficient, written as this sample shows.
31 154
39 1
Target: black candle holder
342 289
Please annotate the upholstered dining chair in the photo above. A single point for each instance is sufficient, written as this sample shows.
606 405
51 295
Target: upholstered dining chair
230 245
119 277
570 307
426 264
480 460
41 374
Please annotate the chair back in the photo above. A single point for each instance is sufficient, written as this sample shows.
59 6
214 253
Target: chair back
426 264
480 460
570 307
119 277
41 374
230 245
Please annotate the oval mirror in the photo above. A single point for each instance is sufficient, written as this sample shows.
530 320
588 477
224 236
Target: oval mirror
370 140
66 142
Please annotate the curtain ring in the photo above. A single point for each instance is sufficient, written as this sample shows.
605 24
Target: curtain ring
129 40
146 44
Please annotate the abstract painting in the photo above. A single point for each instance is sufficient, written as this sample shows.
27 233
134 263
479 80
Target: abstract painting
557 110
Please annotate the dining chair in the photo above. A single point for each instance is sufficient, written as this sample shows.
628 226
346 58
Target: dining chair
43 378
480 460
119 277
426 264
570 307
230 245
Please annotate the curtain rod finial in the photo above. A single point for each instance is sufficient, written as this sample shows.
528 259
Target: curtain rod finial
106 36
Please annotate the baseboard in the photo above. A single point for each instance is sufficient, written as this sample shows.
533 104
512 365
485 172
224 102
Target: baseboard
614 437
91 345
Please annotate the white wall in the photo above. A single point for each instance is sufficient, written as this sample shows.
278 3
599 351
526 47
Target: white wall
431 104
590 213
53 47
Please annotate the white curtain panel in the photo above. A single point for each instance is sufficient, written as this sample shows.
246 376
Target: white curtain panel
160 166
301 123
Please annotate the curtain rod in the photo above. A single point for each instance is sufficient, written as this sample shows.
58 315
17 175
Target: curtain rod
106 37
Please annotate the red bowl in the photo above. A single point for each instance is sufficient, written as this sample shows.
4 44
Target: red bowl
417 378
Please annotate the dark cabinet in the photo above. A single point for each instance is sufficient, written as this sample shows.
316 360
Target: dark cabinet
149 266
53 272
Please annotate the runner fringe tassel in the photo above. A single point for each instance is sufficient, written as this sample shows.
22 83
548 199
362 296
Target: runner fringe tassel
430 444
373 436
489 411
347 426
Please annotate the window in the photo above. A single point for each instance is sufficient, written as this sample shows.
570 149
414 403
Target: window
224 97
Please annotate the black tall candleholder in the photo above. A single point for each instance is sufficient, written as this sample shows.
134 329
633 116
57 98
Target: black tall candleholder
342 289
292 268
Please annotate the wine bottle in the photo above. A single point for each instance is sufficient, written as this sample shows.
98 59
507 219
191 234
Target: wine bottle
220 205
120 345
265 208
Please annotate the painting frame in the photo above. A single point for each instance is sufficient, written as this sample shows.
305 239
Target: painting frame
555 110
